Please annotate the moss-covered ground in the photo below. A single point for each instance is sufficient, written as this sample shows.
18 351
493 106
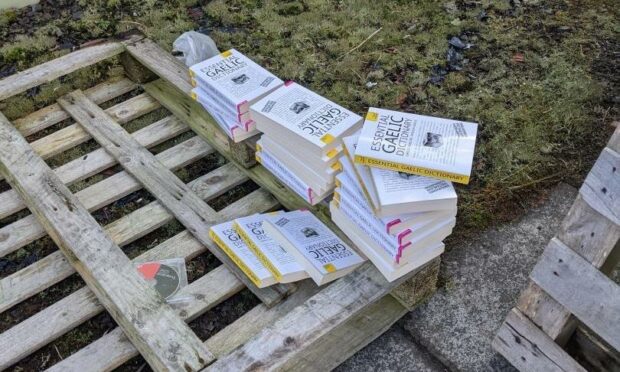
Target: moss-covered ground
540 77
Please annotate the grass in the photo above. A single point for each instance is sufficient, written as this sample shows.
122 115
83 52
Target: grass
528 80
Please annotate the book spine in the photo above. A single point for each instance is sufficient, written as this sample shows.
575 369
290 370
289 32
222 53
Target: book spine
288 178
376 234
412 169
230 253
225 100
261 256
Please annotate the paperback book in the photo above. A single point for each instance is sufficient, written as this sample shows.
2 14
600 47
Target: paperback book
324 256
204 97
289 178
278 261
417 144
360 172
398 249
235 79
370 248
234 130
301 118
405 194
228 240
318 179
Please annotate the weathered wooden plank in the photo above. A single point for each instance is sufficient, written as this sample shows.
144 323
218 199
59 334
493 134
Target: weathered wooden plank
54 267
114 348
341 343
161 63
98 160
601 188
73 135
187 207
289 337
54 114
48 71
59 318
528 348
27 229
134 305
593 237
581 289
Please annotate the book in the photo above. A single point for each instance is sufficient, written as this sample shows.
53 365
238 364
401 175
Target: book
278 261
235 79
395 225
324 255
318 179
400 192
207 99
401 226
290 179
360 171
229 241
417 144
233 131
396 248
404 194
388 269
304 120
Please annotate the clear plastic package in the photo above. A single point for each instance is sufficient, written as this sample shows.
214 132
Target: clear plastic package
168 277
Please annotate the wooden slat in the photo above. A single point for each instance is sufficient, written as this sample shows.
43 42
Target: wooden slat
48 71
581 289
161 63
529 349
27 229
187 207
73 135
113 349
591 235
601 189
135 306
66 314
289 337
54 114
50 270
98 160
341 343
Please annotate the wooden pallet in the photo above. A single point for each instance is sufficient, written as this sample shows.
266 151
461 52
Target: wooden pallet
569 294
300 327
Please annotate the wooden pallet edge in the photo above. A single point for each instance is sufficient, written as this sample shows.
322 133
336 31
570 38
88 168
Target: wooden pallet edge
581 289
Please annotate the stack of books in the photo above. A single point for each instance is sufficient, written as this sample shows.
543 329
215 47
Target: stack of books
399 219
284 247
302 138
227 85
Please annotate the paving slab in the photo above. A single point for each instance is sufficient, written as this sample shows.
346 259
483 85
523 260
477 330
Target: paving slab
483 278
394 351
